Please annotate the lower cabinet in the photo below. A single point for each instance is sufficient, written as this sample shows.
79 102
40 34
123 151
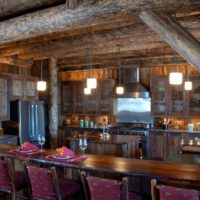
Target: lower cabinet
158 146
166 145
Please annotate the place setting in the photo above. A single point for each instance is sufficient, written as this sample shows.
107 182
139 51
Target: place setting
65 155
29 149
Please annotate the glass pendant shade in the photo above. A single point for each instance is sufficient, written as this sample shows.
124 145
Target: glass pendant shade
119 90
87 91
188 85
175 78
41 85
92 83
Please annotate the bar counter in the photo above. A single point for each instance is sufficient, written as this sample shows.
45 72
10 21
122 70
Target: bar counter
122 166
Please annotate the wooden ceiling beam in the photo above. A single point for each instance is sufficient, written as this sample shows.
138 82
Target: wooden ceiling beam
16 62
10 8
59 18
132 38
179 38
145 61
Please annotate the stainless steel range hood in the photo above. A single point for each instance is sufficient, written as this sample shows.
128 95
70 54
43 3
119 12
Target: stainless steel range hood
133 88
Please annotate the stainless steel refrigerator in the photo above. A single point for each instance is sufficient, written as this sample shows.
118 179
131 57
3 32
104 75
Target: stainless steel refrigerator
26 120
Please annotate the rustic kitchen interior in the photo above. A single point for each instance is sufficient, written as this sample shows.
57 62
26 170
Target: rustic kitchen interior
96 91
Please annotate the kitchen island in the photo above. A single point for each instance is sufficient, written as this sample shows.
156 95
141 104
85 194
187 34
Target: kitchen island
115 145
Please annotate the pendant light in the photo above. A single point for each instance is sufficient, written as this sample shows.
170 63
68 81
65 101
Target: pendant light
91 82
41 85
87 91
175 78
119 88
188 83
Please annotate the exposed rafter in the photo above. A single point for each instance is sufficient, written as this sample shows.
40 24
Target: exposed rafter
59 18
16 61
179 38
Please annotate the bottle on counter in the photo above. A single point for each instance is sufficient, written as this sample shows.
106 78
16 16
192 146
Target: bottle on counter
91 124
86 123
81 123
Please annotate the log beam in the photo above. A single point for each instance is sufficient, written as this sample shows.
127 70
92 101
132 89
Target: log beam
59 18
53 112
10 8
16 62
132 38
172 32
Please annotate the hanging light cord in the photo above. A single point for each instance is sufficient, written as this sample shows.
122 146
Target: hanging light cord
41 70
119 63
91 53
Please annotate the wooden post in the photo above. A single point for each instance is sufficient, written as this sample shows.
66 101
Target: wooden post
53 112
170 30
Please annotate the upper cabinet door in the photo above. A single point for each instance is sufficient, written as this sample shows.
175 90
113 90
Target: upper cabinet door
78 99
23 88
106 101
160 96
177 101
16 88
30 88
194 96
67 98
4 99
168 99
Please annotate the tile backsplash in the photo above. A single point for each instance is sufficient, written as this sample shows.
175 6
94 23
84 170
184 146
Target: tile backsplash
177 123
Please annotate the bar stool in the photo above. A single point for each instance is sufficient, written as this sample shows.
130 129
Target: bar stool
11 181
45 185
97 188
173 190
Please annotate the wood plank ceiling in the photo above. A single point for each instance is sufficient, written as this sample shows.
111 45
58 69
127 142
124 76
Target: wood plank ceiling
40 29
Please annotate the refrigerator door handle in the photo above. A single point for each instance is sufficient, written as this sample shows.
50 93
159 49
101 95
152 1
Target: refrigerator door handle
33 121
29 120
36 120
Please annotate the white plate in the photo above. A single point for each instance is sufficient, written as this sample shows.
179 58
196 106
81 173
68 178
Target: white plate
25 151
62 158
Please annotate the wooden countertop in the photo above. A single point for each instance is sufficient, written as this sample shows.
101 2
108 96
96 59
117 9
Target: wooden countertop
123 166
112 139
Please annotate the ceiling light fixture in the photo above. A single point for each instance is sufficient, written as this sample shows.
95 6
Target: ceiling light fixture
175 78
41 84
188 83
91 82
87 91
119 88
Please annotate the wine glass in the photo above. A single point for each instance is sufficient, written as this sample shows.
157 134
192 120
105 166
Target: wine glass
41 140
83 144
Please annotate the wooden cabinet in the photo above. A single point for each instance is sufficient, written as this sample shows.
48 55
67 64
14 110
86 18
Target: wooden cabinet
67 99
92 101
159 101
30 88
168 99
194 97
74 101
23 88
4 99
78 97
106 102
166 145
158 144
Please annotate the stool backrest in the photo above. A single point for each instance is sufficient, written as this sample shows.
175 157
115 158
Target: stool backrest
97 188
167 192
43 183
7 183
